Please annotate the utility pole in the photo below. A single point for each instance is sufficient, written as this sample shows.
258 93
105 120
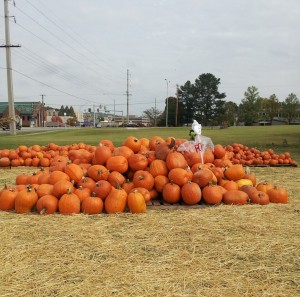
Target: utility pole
127 93
43 109
176 109
167 102
10 93
155 115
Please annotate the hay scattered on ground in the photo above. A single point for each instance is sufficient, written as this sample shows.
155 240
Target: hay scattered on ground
218 251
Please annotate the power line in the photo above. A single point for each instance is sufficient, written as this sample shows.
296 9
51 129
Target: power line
51 87
62 52
71 37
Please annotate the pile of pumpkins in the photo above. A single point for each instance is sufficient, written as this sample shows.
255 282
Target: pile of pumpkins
81 178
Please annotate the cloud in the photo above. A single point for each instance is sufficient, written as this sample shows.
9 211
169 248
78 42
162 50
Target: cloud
242 42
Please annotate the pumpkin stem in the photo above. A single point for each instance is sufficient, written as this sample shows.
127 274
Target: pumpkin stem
172 143
43 211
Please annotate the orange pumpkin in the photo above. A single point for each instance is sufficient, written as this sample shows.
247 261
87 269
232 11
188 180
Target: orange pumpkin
212 194
7 199
235 197
74 171
234 172
101 154
158 167
133 143
69 203
92 205
136 202
175 160
47 204
137 162
179 176
117 163
98 172
278 195
144 179
171 193
259 197
25 200
116 201
191 193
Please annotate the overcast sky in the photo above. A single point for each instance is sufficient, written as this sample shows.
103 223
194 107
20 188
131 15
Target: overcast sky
77 52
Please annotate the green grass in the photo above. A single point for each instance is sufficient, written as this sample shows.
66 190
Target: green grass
280 138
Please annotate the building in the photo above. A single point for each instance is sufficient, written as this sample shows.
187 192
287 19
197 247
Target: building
30 114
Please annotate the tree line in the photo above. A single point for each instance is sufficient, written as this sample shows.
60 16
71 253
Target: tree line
203 102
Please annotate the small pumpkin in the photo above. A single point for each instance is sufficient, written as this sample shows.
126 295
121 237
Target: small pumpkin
144 179
7 199
98 172
158 167
171 193
235 197
61 187
278 195
116 201
133 143
101 154
259 197
47 204
212 194
163 149
102 189
117 163
69 203
92 204
136 202
234 172
74 171
137 162
191 193
25 200
202 177
179 176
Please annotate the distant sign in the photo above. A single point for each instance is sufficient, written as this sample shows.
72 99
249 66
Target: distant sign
109 118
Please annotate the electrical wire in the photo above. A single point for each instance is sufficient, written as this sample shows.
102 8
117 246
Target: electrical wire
71 29
61 40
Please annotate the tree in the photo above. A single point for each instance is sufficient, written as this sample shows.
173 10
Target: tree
61 111
208 100
153 114
270 107
72 112
186 103
291 107
249 107
230 113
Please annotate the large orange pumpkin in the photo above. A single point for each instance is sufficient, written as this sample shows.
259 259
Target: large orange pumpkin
25 200
69 203
136 202
117 163
116 201
144 179
191 193
133 143
171 193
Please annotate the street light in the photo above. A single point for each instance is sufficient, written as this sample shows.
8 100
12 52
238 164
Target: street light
167 103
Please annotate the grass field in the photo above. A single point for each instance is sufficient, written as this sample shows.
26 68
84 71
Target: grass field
280 138
227 251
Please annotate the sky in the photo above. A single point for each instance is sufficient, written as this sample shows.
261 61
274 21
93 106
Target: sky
90 53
